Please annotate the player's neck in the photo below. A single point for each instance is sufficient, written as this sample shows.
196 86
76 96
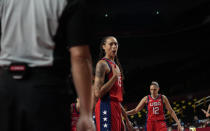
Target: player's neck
154 96
109 57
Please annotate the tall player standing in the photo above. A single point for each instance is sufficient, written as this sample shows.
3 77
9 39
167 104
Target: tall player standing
109 89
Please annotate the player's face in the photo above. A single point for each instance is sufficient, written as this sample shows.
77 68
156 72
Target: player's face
154 90
111 47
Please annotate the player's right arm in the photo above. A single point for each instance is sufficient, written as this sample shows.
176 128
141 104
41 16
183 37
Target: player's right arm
138 107
102 88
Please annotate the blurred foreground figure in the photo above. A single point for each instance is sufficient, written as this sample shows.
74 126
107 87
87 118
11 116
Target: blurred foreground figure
38 40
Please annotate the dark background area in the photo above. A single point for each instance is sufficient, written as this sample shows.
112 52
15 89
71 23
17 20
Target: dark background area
166 41
160 40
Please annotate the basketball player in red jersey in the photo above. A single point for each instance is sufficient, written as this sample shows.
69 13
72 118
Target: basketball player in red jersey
74 114
108 88
155 110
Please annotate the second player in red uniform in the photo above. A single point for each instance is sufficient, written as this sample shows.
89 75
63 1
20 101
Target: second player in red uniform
74 114
155 110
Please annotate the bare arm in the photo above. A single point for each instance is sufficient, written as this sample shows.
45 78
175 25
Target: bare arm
82 77
138 107
208 109
171 111
128 123
206 112
102 88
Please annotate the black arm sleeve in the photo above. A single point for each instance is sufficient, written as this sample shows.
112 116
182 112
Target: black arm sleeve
73 24
77 24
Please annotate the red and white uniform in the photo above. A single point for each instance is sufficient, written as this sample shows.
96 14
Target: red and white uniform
108 109
74 117
155 115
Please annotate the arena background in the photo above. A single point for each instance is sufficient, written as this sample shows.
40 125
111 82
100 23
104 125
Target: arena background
161 40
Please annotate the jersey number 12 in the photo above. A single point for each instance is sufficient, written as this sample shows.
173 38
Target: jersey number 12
155 110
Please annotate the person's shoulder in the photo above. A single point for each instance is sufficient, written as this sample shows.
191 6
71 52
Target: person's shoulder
101 63
145 99
164 99
163 96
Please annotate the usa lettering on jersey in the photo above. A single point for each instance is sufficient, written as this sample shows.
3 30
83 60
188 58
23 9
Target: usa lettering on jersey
155 107
155 103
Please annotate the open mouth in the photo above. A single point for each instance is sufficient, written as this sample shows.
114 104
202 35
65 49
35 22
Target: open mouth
114 51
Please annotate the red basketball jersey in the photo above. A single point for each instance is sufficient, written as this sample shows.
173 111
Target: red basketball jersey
108 109
155 108
116 92
74 117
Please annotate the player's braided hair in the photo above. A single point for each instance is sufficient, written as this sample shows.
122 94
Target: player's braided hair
102 53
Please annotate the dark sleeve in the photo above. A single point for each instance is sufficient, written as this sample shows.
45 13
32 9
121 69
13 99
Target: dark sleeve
76 23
